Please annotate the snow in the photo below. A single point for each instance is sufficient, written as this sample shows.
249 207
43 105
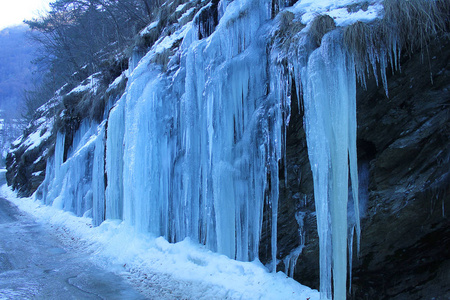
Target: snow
168 41
147 29
42 133
36 173
337 9
180 7
16 142
200 273
35 139
41 157
49 105
343 18
89 84
116 82
43 128
187 13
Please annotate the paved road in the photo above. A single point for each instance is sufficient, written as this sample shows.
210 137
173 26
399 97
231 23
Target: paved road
34 264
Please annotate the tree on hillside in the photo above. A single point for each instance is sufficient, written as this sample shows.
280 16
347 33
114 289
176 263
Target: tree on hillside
80 35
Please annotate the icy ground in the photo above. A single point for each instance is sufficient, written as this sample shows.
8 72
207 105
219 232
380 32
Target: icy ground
34 264
158 269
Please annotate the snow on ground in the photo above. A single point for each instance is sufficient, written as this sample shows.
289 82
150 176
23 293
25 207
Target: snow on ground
184 269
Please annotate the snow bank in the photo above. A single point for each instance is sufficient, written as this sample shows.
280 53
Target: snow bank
149 261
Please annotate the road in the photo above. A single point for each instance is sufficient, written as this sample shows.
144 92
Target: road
34 264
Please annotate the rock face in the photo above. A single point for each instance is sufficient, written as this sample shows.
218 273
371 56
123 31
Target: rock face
27 157
403 143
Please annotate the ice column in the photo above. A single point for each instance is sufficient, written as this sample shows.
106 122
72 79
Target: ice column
98 177
46 191
330 124
114 161
77 184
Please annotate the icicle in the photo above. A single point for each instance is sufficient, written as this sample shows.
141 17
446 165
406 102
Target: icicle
274 200
290 261
350 255
68 185
59 154
114 161
330 123
98 177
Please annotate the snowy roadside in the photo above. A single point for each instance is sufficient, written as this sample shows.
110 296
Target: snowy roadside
158 269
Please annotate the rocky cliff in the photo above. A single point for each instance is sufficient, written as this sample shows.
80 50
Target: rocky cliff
404 151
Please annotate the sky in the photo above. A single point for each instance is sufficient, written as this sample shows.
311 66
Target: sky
13 12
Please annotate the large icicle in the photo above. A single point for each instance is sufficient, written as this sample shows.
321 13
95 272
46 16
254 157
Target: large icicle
330 122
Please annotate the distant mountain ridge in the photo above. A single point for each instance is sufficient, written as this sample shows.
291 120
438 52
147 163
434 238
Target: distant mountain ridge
17 74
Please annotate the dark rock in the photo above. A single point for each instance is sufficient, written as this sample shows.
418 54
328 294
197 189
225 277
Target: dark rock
207 20
405 141
26 163
406 235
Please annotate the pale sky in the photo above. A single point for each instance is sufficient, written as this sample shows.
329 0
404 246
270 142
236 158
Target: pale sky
13 12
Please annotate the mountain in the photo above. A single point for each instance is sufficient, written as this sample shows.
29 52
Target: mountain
16 70
17 74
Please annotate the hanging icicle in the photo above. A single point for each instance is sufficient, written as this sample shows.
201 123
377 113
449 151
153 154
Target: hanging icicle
329 87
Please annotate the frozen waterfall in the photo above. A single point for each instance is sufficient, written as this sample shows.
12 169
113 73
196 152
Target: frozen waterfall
77 184
190 149
193 147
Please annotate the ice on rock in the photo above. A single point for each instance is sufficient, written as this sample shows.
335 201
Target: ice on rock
69 183
290 261
192 143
